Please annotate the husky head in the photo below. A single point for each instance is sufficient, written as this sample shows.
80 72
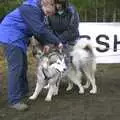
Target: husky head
57 61
59 65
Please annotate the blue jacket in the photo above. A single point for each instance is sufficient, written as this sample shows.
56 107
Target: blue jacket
27 20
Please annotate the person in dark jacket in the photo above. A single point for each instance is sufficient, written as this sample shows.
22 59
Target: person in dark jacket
15 30
65 24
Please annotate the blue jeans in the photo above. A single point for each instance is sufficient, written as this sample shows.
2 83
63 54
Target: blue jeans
17 73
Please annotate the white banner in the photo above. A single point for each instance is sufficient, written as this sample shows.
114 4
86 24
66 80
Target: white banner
105 38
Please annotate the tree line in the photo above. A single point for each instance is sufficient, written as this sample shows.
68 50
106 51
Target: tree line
98 10
89 10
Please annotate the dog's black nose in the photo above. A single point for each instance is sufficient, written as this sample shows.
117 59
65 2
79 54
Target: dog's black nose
64 69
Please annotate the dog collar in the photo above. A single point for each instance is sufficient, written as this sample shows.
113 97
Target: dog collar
44 72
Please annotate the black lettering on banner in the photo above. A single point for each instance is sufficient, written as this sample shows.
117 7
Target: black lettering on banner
102 43
115 43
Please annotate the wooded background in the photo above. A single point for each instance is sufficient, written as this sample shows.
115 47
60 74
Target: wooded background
89 10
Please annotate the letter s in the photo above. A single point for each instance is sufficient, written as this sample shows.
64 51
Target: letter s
102 43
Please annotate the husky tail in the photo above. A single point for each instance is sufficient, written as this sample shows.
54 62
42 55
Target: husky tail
84 44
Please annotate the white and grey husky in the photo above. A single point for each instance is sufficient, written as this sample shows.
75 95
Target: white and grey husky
83 62
49 71
51 67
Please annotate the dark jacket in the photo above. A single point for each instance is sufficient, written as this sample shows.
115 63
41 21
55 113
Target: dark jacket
65 26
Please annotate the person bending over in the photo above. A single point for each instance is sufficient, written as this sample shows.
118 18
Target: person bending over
15 31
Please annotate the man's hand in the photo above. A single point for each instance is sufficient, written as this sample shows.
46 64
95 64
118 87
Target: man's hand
46 49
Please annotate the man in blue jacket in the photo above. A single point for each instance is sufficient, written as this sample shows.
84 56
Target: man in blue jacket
15 30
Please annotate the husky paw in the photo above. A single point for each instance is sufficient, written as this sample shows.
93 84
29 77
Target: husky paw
85 86
81 91
68 88
32 98
48 99
93 91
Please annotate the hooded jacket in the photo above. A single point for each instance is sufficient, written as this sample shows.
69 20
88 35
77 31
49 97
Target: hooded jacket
23 22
